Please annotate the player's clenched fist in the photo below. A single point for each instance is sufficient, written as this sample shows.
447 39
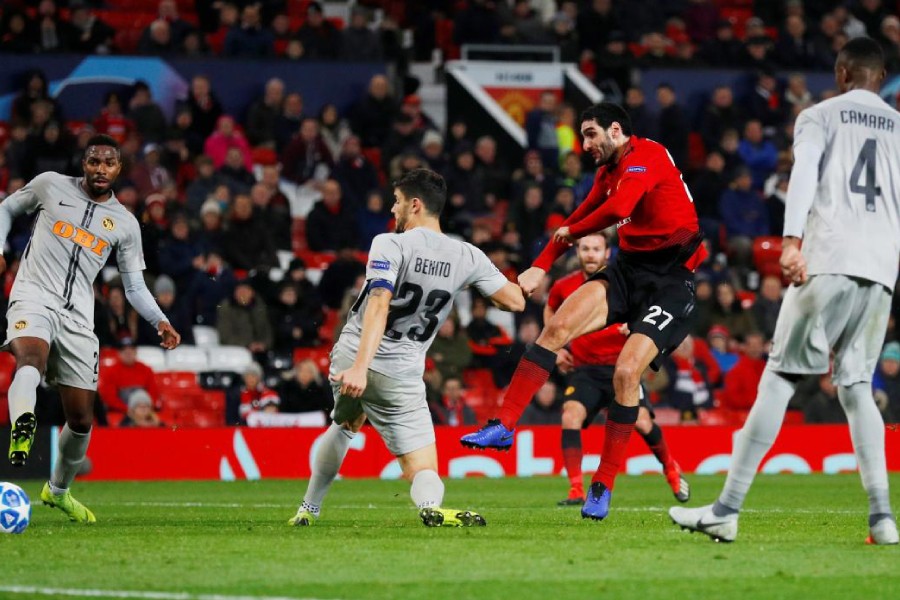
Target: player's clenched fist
353 381
170 337
530 279
793 264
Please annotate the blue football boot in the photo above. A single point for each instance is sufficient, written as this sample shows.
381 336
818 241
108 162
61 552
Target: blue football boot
493 435
596 506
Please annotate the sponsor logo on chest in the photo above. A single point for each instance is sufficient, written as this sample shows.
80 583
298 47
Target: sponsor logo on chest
82 237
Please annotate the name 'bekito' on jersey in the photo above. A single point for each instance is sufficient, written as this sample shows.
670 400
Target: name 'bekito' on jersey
425 269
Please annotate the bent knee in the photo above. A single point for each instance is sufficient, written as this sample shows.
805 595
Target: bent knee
573 415
627 374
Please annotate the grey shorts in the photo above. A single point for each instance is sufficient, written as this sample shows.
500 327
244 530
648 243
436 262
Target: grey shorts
396 408
846 314
74 350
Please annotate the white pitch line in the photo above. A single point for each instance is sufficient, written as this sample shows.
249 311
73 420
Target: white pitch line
82 593
637 509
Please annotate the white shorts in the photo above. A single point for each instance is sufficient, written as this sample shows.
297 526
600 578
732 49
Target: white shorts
846 314
396 408
74 349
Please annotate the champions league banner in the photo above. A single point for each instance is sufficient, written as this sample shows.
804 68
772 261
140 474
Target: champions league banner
79 83
287 453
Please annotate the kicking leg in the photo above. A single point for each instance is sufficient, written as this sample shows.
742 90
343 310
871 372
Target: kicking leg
637 354
867 433
31 362
333 447
653 437
573 417
582 312
78 405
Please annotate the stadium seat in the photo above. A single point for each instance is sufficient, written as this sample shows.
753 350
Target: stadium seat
153 357
218 380
187 358
766 255
205 336
229 358
175 380
326 329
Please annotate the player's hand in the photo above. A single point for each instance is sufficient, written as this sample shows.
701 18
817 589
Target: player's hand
565 361
530 279
624 330
170 337
352 380
563 236
793 264
2 264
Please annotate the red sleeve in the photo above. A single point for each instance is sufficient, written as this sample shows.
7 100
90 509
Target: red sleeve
618 206
554 250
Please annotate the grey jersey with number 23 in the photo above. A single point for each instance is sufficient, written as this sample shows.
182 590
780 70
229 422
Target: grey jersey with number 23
425 269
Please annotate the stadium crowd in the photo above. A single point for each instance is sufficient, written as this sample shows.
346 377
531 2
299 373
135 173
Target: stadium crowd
226 253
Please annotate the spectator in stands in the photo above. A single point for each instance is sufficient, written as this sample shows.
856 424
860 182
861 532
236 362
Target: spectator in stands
112 121
724 50
797 95
183 127
707 185
147 116
765 103
150 175
702 20
886 383
745 217
168 12
432 151
288 123
823 406
340 276
251 38
333 129
225 137
295 323
358 42
450 350
306 291
721 114
890 33
176 311
657 51
48 150
203 185
356 175
573 177
450 408
767 304
373 219
728 311
488 342
33 92
89 35
742 380
403 138
243 320
615 65
117 381
371 117
674 135
562 34
688 389
492 170
275 219
794 49
595 25
140 411
123 319
157 39
262 118
205 107
464 183
532 172
51 32
234 172
758 153
179 254
255 395
545 407
477 23
15 36
320 38
330 225
306 158
306 391
211 286
194 45
870 13
212 234
246 243
528 217
540 127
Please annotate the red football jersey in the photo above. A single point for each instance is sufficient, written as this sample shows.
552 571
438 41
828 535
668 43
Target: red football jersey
592 349
644 196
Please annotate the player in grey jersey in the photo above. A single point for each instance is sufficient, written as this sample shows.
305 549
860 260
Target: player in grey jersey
379 359
50 317
844 204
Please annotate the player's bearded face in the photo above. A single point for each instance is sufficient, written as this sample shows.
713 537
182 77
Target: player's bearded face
101 166
591 254
597 142
400 210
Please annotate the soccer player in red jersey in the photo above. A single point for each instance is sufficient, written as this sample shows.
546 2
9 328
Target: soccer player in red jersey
588 363
639 189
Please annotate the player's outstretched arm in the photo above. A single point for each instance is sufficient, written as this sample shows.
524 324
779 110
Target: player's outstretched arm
510 298
142 300
374 322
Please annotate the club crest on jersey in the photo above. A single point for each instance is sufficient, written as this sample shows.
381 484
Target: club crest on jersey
636 170
80 236
380 265
20 325
108 224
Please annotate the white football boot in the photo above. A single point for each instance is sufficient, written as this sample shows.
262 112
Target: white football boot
702 519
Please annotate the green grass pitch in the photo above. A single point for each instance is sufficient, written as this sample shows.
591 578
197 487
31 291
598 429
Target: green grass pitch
801 537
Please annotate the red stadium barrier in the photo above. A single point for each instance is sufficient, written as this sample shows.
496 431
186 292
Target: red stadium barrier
223 453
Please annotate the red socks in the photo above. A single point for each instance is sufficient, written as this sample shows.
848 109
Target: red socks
657 444
572 455
619 425
531 373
